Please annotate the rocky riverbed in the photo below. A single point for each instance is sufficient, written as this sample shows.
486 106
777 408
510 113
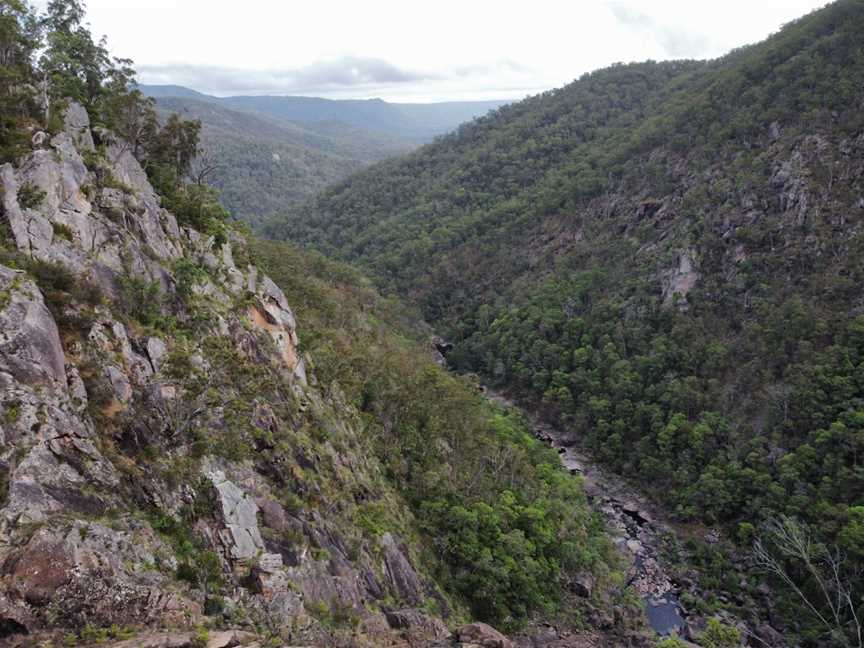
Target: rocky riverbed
638 529
642 531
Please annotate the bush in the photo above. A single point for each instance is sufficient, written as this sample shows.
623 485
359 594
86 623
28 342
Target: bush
671 642
214 605
14 139
193 205
718 635
141 300
65 294
30 196
62 231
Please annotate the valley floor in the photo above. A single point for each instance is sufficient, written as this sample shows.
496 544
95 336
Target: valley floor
642 530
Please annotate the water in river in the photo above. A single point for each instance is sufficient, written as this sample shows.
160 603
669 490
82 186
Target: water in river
637 530
664 614
638 535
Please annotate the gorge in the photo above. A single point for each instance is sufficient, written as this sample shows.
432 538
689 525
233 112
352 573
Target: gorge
587 370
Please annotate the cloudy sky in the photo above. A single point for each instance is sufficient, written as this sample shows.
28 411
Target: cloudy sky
411 51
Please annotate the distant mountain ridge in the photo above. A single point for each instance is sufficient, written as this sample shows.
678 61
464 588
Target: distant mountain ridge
266 165
276 152
418 122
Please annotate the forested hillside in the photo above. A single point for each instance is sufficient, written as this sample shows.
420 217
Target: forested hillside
669 258
262 165
194 454
415 122
268 154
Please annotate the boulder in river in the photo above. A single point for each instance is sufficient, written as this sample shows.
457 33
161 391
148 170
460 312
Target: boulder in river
480 634
637 513
583 585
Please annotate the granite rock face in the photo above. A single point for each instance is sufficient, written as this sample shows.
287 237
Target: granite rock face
239 513
30 349
157 474
56 211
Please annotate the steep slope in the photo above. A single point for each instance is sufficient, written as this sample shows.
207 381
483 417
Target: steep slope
175 463
667 258
485 175
262 165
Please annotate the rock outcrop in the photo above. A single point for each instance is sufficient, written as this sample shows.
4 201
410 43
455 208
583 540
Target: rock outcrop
164 471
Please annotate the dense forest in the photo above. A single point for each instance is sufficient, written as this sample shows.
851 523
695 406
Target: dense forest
262 165
270 153
669 259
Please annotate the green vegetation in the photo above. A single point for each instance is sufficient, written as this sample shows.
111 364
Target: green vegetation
197 566
94 635
262 165
71 300
63 231
19 31
671 642
140 300
30 197
72 66
717 635
506 525
549 239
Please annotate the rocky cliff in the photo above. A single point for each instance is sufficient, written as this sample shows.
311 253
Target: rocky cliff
160 430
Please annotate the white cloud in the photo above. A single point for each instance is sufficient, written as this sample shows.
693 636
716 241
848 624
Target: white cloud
451 49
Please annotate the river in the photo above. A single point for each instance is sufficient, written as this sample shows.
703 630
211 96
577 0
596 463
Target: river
636 525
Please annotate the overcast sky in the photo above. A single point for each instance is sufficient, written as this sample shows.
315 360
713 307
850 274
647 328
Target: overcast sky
411 51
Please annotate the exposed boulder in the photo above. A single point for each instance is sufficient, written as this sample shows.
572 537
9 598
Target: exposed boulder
229 639
416 625
76 124
583 585
30 348
156 351
679 281
769 636
402 577
39 138
240 535
480 634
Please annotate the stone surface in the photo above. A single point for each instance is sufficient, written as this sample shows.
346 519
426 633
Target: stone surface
72 570
583 585
769 635
173 639
402 577
100 445
229 639
76 124
240 535
678 282
156 351
480 634
416 626
30 348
